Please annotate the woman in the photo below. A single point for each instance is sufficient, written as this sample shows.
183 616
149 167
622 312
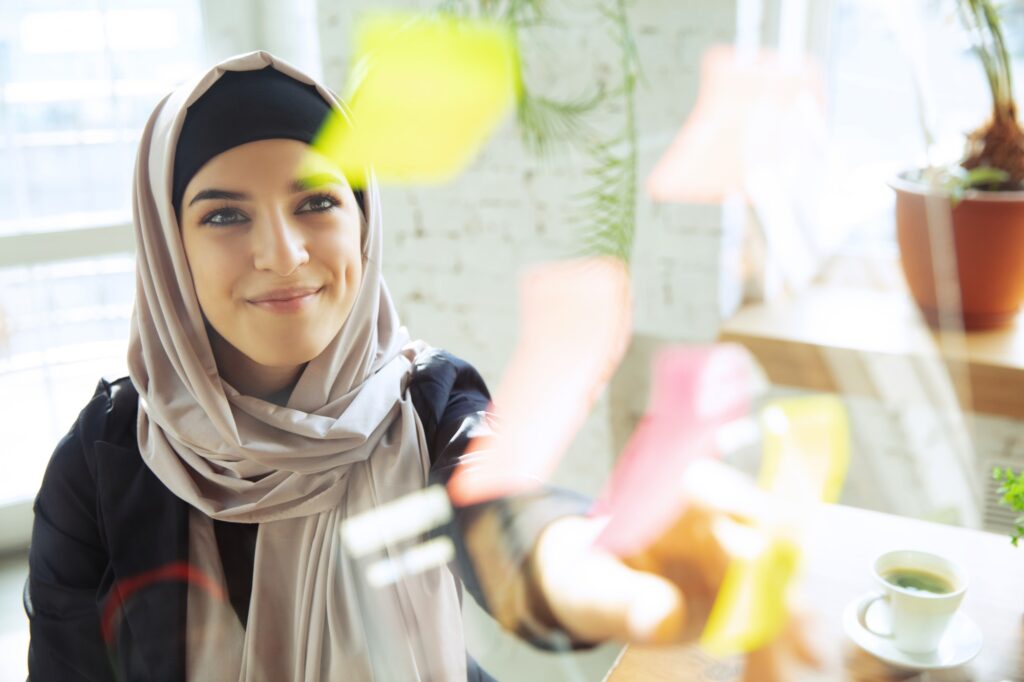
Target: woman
187 526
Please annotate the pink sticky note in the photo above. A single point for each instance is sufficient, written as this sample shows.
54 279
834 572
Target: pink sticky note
694 392
575 325
708 158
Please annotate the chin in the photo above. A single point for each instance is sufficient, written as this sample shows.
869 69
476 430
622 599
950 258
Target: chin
285 354
288 343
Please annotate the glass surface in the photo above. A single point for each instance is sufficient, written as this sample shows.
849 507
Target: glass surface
76 88
62 327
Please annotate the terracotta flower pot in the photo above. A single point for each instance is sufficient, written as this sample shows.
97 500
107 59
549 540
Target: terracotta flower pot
988 245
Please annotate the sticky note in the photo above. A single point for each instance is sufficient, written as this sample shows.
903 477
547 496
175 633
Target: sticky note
425 94
806 451
709 157
694 391
575 325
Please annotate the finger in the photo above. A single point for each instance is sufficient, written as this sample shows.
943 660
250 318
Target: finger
780 659
798 636
763 665
600 598
594 596
657 614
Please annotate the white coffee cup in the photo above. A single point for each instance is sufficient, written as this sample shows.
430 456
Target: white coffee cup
917 618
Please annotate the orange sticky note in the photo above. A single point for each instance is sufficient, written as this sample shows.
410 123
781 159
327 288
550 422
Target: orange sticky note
708 158
575 325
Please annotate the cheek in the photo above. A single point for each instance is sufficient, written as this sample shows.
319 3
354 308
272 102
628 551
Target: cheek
342 254
354 256
207 290
214 267
354 263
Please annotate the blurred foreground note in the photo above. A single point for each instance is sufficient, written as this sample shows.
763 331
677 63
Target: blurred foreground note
392 536
758 136
740 105
806 452
575 325
806 449
694 392
425 93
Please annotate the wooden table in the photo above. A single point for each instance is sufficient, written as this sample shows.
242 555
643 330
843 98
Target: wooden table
838 555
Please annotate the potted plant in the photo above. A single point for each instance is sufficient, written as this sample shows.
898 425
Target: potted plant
974 210
1012 491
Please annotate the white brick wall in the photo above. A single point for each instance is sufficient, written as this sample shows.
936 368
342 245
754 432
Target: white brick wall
452 253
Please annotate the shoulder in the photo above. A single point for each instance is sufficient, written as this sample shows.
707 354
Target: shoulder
445 390
436 366
66 526
434 362
108 416
439 379
122 408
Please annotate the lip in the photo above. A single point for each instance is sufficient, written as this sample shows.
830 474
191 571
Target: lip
286 300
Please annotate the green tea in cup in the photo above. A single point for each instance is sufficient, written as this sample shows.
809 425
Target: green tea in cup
918 581
922 591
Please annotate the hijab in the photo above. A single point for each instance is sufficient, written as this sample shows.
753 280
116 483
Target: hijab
348 438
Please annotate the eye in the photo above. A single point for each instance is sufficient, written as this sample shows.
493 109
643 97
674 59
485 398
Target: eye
318 203
224 216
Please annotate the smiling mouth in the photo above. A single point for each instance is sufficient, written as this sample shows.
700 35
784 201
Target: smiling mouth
287 301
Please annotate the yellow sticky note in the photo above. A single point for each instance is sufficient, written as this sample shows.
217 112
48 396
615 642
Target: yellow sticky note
806 449
750 610
806 452
426 93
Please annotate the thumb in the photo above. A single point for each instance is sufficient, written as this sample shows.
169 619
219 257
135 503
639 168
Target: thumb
656 612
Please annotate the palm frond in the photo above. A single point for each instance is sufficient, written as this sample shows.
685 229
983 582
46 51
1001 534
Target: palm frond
608 206
526 12
547 124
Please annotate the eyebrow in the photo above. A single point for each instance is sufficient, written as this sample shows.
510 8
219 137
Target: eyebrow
315 181
303 184
218 194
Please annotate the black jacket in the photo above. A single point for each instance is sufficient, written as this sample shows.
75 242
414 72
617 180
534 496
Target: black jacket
102 516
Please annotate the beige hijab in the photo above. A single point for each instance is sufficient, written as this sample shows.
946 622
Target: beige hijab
348 440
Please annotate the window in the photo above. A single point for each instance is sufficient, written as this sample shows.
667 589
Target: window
876 132
77 84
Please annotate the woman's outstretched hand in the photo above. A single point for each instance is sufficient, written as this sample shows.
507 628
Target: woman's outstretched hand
664 594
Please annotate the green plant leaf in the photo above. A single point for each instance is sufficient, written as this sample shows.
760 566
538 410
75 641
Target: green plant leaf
607 208
609 204
1012 495
546 124
985 175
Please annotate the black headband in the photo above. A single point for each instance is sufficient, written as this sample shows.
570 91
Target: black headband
241 107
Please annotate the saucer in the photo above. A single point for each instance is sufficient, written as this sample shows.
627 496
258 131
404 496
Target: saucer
959 645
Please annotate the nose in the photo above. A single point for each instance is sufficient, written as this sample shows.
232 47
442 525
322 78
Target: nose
278 245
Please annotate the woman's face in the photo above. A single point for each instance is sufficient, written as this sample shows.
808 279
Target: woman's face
272 235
